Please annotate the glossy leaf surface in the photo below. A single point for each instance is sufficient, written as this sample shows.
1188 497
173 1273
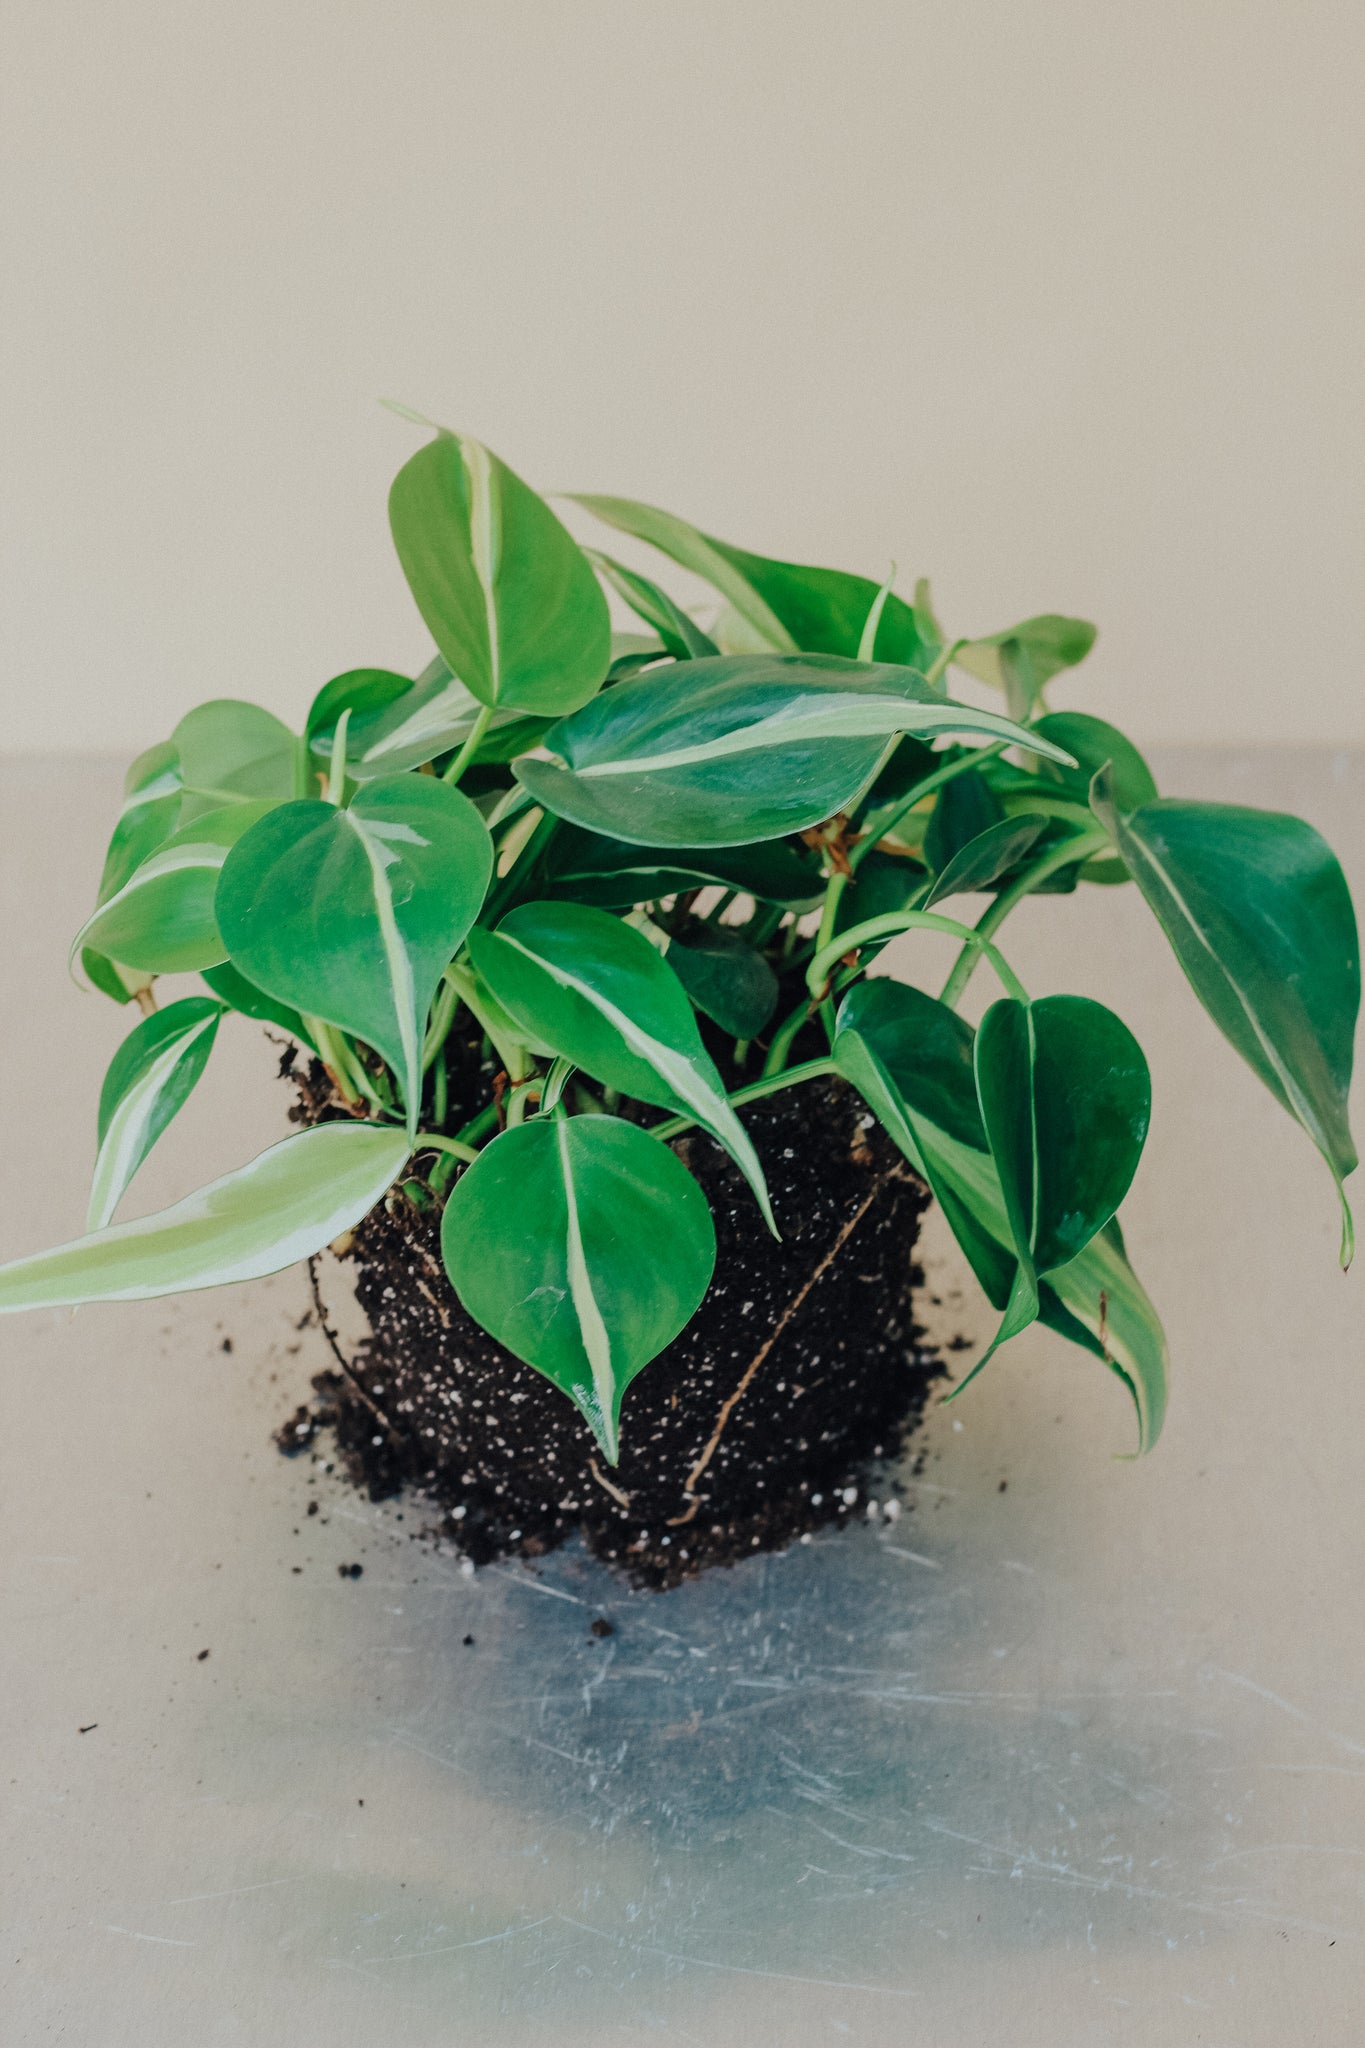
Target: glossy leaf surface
1259 916
285 1205
507 594
738 749
162 919
614 874
353 915
984 859
598 992
584 1246
787 606
1094 742
912 1060
726 978
149 1079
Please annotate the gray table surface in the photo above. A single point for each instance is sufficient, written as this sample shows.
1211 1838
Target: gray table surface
1073 1753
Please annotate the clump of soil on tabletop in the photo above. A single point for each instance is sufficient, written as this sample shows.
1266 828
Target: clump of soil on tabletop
803 1363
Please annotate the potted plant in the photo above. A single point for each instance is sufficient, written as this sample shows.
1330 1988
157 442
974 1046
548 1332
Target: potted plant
572 935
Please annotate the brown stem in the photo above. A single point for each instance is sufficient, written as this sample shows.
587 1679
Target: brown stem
732 1401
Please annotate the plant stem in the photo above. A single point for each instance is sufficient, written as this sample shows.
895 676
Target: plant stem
1079 848
442 1017
940 667
478 1126
809 1070
435 1141
908 921
782 1038
470 747
440 1094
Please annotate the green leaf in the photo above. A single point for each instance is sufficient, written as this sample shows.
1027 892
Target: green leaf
1259 916
725 977
368 694
614 874
605 1247
243 996
1094 742
1065 1100
285 1205
911 1059
986 858
680 635
150 813
741 748
162 919
1022 659
353 915
963 809
149 1079
230 753
786 606
596 990
506 592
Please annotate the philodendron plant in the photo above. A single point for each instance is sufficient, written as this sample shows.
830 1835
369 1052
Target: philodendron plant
651 872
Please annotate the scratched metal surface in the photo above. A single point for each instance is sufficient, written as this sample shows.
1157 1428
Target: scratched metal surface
1077 1761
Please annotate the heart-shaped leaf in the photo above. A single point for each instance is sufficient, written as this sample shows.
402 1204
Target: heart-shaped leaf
680 635
368 694
150 813
911 1059
1095 742
285 1205
728 751
162 919
1065 1099
233 752
598 992
785 605
1259 916
984 859
149 1079
603 1247
507 594
1023 658
725 977
353 915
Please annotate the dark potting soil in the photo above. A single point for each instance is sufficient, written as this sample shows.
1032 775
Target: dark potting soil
802 1364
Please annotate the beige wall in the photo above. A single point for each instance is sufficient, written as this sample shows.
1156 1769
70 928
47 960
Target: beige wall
1059 302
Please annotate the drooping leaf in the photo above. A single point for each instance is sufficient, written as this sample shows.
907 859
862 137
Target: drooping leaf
353 915
231 752
149 815
162 919
285 1205
1258 914
1094 742
679 635
1023 658
1065 1100
149 1079
741 748
725 977
788 607
986 858
243 996
604 1249
599 993
911 1059
507 594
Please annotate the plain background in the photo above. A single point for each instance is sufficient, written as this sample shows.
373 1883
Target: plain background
1060 304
